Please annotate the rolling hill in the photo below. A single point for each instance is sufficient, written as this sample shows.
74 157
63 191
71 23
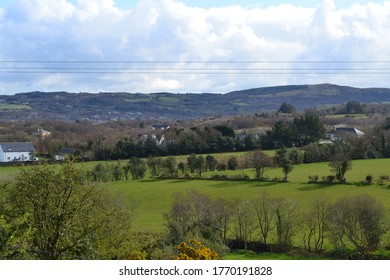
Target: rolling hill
122 105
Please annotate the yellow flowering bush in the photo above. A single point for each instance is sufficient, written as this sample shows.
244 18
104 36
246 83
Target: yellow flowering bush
194 250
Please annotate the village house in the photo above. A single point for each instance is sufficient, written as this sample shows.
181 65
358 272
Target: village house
158 139
342 133
160 127
64 153
17 151
42 134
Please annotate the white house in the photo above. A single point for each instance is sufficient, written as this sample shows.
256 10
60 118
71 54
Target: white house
16 151
341 132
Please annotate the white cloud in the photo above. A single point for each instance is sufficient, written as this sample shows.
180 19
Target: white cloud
169 30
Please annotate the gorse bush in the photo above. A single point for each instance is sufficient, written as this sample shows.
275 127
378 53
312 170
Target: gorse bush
194 250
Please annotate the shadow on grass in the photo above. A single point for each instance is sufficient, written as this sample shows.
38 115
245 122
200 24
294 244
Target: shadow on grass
318 186
249 183
150 180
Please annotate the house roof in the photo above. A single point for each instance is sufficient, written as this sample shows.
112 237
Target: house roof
340 130
17 147
67 151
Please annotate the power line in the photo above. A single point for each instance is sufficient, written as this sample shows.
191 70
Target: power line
198 61
187 67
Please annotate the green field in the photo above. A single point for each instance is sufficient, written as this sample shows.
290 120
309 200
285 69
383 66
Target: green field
136 100
8 107
154 197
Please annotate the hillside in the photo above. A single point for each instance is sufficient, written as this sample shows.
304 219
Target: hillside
164 105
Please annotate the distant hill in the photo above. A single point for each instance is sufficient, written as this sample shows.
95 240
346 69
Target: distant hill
164 105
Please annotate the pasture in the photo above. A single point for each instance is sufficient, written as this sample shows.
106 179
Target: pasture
153 197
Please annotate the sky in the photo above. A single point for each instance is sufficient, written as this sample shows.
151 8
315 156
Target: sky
191 46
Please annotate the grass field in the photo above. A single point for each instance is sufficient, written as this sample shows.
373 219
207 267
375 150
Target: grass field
8 107
154 197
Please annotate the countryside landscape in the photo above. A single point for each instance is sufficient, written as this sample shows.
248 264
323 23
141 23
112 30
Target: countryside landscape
143 132
295 182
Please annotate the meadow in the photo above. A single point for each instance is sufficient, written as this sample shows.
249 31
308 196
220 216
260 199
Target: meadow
153 197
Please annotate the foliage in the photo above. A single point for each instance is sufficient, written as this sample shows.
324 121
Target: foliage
304 130
340 164
211 163
226 131
169 166
195 214
232 163
260 161
137 168
282 159
353 107
196 163
50 214
286 108
101 172
194 250
309 129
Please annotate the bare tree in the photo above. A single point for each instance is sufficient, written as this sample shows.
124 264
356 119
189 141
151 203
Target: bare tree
244 221
287 216
358 220
265 215
316 223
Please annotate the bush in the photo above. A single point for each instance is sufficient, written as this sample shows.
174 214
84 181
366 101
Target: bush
194 250
222 167
242 177
313 178
358 221
232 163
219 177
369 179
383 179
330 179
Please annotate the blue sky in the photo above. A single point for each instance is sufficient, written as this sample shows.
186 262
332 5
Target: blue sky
170 45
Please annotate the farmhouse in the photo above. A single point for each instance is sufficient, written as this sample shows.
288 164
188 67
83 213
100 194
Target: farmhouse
42 134
342 133
64 153
158 139
16 151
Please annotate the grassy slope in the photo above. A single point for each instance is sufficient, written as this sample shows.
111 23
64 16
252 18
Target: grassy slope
154 197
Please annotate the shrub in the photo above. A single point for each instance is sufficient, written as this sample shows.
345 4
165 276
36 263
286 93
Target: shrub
194 250
369 179
222 167
313 178
232 163
330 179
384 178
242 177
359 221
219 177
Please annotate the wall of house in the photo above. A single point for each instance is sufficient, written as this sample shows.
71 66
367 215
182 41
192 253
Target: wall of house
11 156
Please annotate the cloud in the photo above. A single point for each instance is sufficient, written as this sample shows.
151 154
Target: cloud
192 40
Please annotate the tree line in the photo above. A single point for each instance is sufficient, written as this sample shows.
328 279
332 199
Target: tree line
194 166
304 132
350 227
